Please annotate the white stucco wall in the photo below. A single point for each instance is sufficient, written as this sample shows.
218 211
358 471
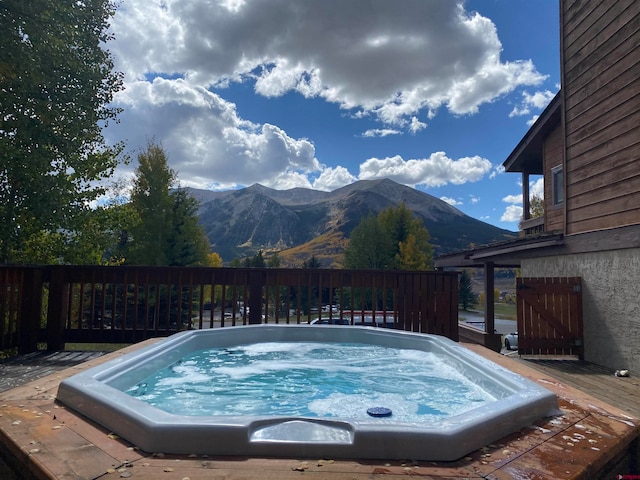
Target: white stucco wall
610 302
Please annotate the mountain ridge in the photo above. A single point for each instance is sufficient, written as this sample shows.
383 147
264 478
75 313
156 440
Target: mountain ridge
298 223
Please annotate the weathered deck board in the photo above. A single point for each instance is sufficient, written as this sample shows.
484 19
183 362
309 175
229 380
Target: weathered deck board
598 381
16 371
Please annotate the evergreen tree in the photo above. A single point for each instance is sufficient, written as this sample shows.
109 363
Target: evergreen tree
313 262
166 231
187 242
466 297
274 261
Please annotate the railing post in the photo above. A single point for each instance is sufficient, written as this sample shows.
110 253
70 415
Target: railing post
30 310
57 311
255 278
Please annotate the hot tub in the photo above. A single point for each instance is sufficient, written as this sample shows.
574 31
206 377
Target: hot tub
99 393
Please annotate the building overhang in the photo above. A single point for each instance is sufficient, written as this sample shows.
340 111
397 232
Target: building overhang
502 254
528 154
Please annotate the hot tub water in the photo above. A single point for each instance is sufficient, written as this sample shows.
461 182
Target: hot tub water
312 379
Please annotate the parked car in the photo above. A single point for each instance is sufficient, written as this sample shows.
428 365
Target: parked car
511 341
367 321
333 321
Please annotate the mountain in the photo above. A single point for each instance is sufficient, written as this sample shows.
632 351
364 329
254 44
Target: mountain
299 222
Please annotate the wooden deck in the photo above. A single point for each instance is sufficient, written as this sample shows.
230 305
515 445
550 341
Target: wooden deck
590 440
600 382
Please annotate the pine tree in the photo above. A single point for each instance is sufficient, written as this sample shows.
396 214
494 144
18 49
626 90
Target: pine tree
166 231
466 297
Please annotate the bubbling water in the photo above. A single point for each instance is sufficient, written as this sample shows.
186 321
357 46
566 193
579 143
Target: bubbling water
312 379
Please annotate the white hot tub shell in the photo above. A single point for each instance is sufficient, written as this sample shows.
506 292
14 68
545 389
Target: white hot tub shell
99 394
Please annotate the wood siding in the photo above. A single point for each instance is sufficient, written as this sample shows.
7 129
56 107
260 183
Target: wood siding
554 214
601 72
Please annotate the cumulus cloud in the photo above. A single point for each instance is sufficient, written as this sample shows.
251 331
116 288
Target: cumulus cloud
513 199
375 57
333 178
451 201
387 65
513 213
435 171
537 100
205 138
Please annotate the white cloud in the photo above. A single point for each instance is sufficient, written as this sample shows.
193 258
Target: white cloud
532 120
333 178
362 54
536 188
382 63
513 199
205 140
377 132
513 213
498 170
416 125
451 201
435 171
538 100
473 199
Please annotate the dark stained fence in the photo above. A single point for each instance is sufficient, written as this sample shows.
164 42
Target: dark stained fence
11 281
88 304
550 316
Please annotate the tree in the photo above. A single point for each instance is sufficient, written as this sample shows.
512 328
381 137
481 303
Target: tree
466 296
57 84
536 206
274 261
392 240
410 239
370 246
312 263
166 231
257 261
187 242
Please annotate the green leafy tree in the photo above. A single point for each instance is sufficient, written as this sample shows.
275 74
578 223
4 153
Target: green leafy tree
392 240
370 246
56 87
166 231
536 206
466 297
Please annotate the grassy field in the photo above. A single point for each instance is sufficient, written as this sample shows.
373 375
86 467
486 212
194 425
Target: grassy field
501 310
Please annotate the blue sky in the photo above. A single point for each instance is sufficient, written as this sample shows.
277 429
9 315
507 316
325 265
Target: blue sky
433 94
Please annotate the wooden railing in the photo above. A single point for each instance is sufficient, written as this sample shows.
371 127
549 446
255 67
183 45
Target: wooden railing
532 226
80 304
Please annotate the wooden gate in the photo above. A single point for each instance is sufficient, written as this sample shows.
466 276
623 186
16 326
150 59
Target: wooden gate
550 316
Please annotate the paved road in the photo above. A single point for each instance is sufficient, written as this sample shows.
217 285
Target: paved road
477 320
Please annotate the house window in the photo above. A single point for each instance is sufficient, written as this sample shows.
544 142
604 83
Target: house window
557 184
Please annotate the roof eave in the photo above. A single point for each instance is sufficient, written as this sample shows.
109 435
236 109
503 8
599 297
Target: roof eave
527 156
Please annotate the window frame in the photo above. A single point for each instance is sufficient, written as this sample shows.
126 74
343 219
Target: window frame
557 185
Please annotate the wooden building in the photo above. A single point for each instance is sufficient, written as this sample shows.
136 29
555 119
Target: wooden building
586 145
